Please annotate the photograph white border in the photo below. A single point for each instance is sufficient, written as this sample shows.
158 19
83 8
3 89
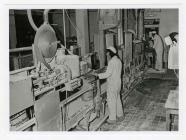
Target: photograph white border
87 4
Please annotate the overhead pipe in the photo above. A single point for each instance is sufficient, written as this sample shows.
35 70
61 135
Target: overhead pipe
64 31
29 14
46 15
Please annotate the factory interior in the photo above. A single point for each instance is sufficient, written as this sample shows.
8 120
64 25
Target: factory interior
62 62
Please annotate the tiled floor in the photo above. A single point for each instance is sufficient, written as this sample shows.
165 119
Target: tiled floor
144 108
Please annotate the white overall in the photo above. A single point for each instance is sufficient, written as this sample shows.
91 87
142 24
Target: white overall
173 62
113 75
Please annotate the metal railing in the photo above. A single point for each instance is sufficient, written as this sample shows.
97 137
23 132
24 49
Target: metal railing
19 60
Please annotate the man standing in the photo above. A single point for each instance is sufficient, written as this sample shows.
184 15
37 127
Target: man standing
113 75
158 46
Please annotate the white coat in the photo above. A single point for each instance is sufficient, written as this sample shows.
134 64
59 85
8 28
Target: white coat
113 75
158 46
173 62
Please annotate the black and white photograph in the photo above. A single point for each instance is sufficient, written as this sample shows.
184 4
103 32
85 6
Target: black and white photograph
94 69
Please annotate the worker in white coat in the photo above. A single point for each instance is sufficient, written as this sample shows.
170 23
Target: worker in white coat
113 76
173 60
158 46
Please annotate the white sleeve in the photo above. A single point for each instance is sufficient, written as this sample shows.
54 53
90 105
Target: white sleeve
108 71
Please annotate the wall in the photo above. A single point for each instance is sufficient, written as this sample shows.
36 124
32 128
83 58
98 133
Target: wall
168 21
93 23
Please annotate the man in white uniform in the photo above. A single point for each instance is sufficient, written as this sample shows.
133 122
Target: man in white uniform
113 75
158 46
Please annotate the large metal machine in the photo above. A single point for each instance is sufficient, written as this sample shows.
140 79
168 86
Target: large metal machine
55 96
59 93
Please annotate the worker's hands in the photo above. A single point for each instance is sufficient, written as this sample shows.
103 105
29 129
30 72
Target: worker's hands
95 74
97 77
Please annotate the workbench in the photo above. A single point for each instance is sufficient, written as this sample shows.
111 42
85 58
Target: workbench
172 108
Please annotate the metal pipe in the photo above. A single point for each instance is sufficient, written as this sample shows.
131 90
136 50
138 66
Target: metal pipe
29 14
46 15
20 49
64 31
21 70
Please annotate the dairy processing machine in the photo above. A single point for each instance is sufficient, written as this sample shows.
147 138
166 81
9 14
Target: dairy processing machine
61 93
52 95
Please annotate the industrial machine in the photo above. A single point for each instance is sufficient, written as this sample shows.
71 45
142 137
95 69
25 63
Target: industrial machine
60 93
56 97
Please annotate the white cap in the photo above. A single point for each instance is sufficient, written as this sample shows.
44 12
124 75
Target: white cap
111 48
154 32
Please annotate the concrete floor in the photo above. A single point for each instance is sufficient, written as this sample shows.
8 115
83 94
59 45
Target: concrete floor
144 108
